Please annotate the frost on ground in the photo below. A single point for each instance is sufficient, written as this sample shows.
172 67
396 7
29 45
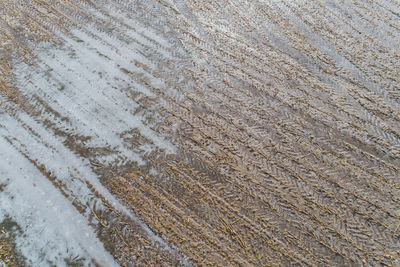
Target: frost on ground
210 133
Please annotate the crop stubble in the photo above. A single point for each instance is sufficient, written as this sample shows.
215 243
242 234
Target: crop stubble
285 115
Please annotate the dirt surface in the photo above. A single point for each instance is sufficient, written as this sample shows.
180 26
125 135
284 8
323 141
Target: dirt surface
194 133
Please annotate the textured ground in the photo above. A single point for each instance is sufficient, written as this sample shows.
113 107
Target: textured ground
182 132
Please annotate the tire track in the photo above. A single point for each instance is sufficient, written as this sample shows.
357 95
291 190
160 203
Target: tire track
206 133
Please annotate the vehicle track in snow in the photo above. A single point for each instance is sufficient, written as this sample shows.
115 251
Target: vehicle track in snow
174 132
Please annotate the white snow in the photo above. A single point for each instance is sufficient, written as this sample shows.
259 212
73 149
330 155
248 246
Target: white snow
91 85
53 229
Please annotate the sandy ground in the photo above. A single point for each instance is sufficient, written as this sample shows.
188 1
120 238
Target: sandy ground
193 133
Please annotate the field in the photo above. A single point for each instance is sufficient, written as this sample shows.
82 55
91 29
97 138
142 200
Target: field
199 133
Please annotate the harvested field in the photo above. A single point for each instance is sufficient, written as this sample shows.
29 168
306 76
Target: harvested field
199 133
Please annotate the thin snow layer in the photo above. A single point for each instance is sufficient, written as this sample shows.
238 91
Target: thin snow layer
27 139
94 93
89 88
53 230
42 147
